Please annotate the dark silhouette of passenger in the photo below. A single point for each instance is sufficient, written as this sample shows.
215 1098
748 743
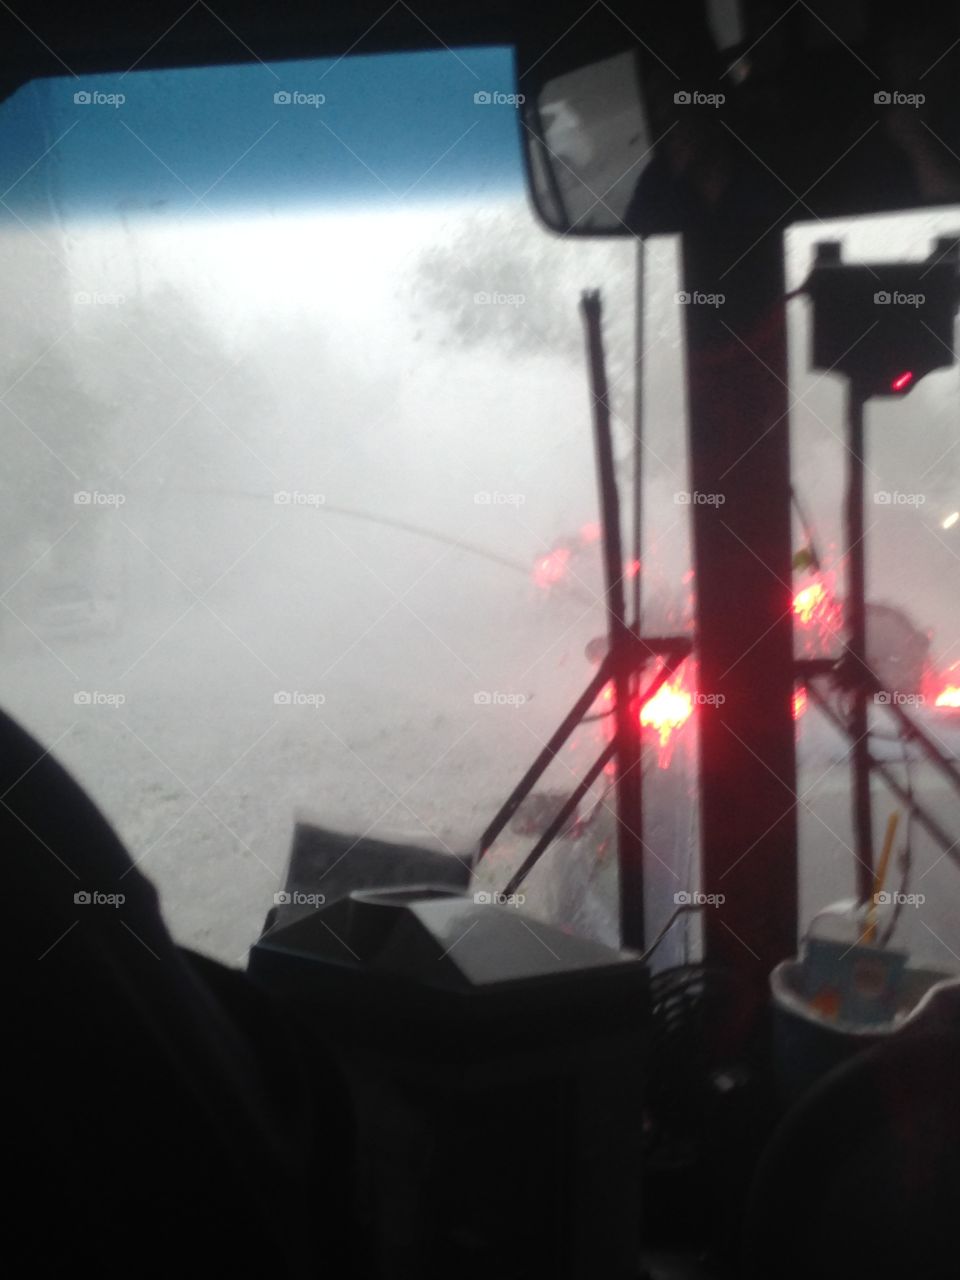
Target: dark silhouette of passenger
163 1115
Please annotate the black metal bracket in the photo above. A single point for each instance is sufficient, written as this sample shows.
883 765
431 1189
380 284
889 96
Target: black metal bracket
566 811
950 846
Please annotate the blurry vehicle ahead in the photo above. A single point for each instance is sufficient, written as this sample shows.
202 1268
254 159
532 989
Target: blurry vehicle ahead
72 611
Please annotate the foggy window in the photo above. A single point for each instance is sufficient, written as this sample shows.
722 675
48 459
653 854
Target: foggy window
299 512
913 592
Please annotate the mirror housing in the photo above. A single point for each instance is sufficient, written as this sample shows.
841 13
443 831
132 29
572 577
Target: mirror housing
656 120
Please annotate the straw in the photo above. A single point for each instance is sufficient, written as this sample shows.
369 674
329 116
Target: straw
881 875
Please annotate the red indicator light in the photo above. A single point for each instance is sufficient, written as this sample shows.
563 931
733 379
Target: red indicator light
901 383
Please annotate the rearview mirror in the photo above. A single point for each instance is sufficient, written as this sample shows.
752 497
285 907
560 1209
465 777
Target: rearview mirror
765 113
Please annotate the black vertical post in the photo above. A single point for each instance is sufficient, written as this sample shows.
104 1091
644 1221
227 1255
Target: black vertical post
708 184
859 720
627 759
735 332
